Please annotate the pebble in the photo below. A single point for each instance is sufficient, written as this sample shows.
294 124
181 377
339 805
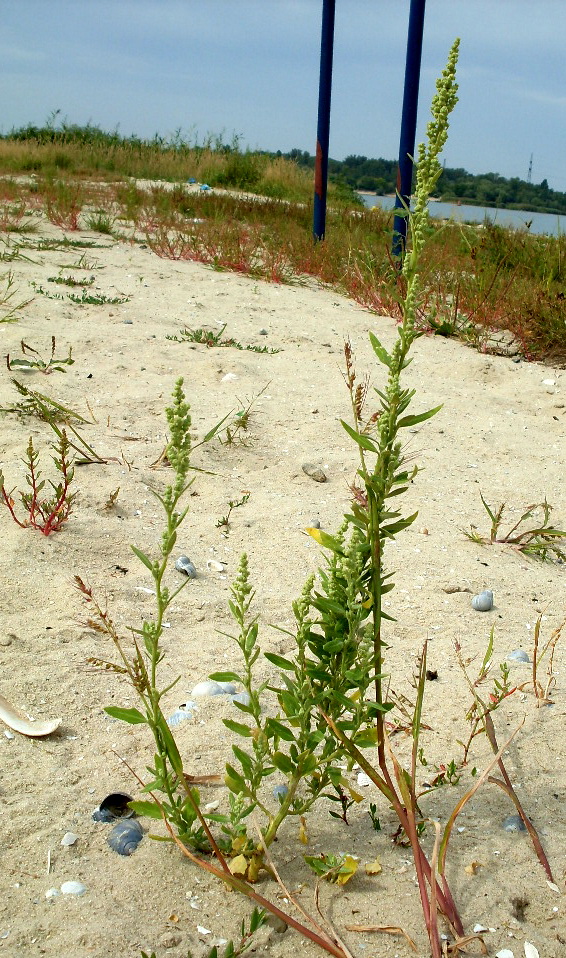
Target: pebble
5 640
9 735
73 888
280 792
513 823
518 655
452 587
263 332
483 602
184 564
128 322
229 378
52 893
315 524
314 472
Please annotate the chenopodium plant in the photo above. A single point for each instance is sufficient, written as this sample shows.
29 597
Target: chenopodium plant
331 671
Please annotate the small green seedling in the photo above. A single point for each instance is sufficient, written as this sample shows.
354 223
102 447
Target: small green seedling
540 541
207 337
71 281
32 360
7 300
224 521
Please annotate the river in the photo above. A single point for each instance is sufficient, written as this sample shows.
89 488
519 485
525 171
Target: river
539 222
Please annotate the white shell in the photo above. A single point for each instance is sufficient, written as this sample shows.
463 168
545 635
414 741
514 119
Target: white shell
363 779
209 687
69 838
21 723
182 714
52 893
184 564
213 565
73 888
530 950
483 602
228 688
241 697
505 953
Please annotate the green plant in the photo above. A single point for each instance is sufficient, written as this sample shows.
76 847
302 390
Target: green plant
85 298
71 281
209 338
540 541
101 222
237 431
33 360
257 919
44 514
224 521
6 300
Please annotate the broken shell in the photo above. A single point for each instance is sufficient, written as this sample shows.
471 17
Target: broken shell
214 565
280 792
73 888
20 722
184 564
518 655
209 687
182 714
483 602
125 837
112 807
228 688
69 838
513 823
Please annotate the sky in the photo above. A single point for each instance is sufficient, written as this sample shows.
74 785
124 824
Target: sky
249 68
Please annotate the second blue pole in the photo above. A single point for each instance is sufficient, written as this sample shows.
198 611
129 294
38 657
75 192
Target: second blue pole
323 127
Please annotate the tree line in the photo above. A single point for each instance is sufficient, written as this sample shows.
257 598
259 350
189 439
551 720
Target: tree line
455 185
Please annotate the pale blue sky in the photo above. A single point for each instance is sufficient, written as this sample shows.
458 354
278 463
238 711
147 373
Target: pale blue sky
250 67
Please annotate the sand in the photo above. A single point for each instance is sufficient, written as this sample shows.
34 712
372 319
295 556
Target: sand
500 432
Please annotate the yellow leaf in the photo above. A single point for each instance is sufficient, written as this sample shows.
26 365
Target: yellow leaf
472 868
239 843
303 836
348 869
373 868
355 796
239 866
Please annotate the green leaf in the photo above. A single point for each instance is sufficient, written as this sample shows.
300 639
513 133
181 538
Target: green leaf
380 350
273 727
225 677
238 727
283 762
420 417
143 558
362 440
132 716
149 809
279 661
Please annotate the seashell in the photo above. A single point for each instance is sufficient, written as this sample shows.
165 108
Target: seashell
69 838
518 655
228 688
280 792
73 888
483 602
513 823
214 565
112 807
20 722
504 953
125 837
184 564
52 893
180 715
363 779
209 687
242 697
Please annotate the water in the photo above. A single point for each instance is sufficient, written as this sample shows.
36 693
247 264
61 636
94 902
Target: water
539 222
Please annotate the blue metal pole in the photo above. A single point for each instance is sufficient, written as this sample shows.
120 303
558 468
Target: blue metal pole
323 127
408 122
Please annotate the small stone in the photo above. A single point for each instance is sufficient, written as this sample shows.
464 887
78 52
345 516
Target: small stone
483 602
9 735
128 322
452 587
5 640
277 923
229 378
171 941
518 655
314 472
263 332
280 792
315 524
73 888
513 823
52 893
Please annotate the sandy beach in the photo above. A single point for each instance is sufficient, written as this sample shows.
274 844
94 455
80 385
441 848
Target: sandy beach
500 433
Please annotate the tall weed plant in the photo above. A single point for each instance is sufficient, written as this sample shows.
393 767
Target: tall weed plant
331 690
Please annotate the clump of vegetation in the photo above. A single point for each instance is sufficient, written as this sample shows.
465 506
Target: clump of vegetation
207 337
33 360
540 539
9 310
46 514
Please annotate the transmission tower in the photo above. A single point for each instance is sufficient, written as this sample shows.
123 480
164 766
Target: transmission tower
530 173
